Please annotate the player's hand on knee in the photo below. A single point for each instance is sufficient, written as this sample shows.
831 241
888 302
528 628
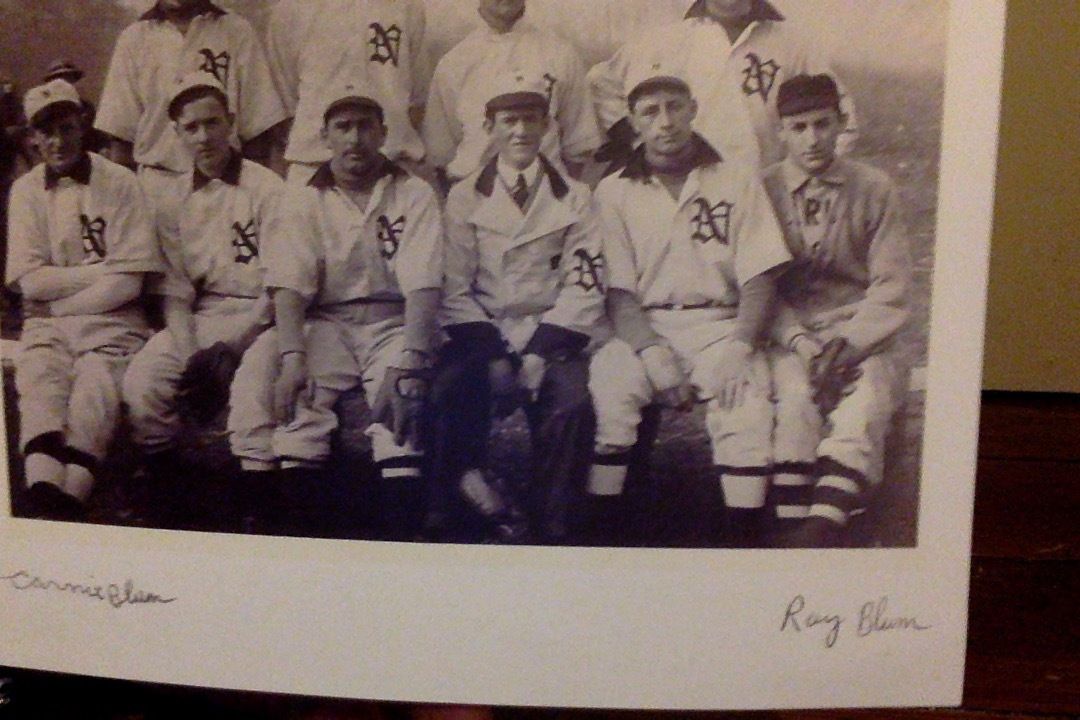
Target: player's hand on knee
531 374
291 387
671 383
35 309
808 348
733 374
399 403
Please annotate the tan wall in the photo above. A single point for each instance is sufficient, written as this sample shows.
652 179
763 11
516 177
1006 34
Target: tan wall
1033 331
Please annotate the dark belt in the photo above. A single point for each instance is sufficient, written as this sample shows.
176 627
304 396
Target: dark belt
364 311
687 306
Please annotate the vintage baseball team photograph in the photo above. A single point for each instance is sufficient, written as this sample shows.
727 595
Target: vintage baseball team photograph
615 273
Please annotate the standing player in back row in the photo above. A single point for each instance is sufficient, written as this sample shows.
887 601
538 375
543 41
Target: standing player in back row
734 54
836 373
171 40
454 122
81 242
319 46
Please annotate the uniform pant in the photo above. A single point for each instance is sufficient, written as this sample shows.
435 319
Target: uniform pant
150 383
68 373
741 436
561 424
849 444
340 357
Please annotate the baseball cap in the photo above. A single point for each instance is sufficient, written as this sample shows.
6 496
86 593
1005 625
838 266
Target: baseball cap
654 74
188 85
803 93
349 97
49 97
517 89
63 68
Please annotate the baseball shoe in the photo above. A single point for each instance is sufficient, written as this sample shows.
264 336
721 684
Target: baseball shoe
493 505
45 501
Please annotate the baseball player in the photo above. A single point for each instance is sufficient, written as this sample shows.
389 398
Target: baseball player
81 240
171 40
454 122
318 46
354 266
692 246
837 381
524 299
734 54
64 69
214 303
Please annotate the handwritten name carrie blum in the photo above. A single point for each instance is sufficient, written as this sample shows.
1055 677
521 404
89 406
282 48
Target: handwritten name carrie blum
114 594
872 618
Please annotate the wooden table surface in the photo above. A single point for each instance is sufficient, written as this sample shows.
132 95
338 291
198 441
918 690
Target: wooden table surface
1024 639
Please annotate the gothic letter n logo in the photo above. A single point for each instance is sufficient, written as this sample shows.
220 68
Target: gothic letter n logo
385 43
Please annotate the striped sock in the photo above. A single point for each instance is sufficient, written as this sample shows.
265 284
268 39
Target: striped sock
607 476
401 467
791 491
838 492
744 487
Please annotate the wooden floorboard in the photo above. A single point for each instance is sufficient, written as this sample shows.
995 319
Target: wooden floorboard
1033 426
1027 509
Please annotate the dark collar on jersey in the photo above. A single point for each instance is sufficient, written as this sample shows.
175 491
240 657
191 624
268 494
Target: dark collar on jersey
759 10
637 167
323 179
79 172
200 8
231 175
485 182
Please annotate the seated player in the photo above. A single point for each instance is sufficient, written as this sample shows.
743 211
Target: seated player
845 301
524 300
81 241
213 299
691 246
354 266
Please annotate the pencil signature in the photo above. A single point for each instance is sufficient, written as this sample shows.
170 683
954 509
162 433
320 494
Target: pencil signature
116 595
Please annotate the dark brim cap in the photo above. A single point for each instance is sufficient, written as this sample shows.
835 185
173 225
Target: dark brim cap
516 100
804 93
359 102
64 70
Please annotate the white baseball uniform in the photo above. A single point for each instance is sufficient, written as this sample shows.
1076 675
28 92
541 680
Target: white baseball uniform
355 268
152 55
850 279
734 83
68 369
211 244
320 46
453 129
685 261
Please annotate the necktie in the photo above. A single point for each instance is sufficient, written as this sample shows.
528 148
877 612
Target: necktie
520 193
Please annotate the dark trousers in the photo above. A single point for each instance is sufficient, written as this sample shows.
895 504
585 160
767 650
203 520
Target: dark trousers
561 425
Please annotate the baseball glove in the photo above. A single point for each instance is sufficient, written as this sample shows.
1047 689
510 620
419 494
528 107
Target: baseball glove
831 375
399 403
203 390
